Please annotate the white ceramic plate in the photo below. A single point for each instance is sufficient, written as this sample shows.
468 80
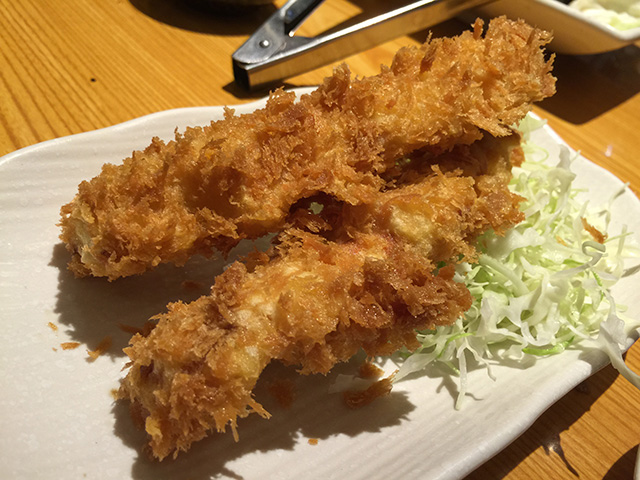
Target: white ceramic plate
59 420
574 33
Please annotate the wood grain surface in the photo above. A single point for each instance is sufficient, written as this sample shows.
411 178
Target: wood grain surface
72 66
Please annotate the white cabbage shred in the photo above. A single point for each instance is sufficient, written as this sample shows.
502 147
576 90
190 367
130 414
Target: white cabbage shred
540 289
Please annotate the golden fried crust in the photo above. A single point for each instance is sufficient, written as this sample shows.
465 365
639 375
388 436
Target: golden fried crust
368 281
410 167
237 178
196 371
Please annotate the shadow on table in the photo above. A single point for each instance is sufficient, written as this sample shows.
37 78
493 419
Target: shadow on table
237 91
590 85
547 429
204 17
624 467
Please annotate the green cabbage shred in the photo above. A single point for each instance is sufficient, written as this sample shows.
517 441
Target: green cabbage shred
540 289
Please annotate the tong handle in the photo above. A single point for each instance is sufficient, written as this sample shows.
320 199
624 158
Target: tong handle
273 52
297 12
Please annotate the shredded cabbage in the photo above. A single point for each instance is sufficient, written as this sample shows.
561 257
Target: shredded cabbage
540 289
619 14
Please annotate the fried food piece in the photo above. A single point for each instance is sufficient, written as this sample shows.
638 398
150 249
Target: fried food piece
367 280
238 178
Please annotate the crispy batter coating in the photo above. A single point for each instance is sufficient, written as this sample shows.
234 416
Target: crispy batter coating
348 277
238 178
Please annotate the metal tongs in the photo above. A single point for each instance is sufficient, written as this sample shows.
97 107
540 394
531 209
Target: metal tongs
273 52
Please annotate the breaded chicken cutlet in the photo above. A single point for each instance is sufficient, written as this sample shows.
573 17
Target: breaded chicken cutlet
238 178
349 277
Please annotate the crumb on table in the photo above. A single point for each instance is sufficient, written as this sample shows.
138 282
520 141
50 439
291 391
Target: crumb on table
370 371
357 399
102 347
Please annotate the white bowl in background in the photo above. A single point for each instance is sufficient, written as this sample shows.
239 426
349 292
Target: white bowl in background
573 32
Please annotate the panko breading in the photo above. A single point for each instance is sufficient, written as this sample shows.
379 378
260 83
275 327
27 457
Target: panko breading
238 178
371 276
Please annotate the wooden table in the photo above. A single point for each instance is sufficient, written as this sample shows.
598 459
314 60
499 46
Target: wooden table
73 66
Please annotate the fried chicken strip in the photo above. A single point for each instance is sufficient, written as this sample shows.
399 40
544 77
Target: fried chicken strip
367 280
238 178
